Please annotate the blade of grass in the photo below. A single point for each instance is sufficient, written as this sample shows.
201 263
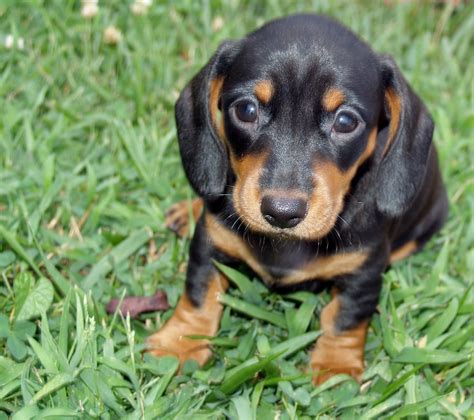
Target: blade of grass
10 239
121 252
245 372
253 311
57 382
435 357
443 321
286 348
236 277
415 408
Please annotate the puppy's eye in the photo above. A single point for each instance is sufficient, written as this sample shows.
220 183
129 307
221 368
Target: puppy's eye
345 123
246 111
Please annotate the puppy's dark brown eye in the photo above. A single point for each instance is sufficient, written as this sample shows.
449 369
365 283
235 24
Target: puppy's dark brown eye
246 111
345 123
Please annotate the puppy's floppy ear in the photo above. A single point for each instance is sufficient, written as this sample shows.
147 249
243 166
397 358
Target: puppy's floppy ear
406 151
202 151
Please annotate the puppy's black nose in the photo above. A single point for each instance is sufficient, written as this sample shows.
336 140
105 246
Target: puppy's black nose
283 212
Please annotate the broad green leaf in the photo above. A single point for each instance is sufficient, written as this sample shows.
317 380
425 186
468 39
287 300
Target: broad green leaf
38 300
23 329
22 286
4 326
6 258
16 347
9 370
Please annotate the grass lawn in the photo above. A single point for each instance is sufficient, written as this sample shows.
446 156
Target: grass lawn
88 166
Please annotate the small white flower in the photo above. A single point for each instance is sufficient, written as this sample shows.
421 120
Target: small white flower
90 8
9 40
217 23
140 7
20 43
112 35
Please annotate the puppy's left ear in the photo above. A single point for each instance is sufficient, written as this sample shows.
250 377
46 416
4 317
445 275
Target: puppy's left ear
405 155
203 152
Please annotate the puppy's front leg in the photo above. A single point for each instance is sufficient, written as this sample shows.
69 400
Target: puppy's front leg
198 311
344 322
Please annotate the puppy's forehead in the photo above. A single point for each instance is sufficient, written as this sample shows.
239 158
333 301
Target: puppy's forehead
302 45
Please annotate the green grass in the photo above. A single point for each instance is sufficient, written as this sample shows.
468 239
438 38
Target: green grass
88 166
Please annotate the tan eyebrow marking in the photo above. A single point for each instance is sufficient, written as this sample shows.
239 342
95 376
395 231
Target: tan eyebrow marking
264 91
332 99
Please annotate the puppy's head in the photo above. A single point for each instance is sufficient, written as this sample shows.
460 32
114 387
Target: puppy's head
283 119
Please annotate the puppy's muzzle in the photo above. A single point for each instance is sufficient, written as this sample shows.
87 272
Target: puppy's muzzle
283 212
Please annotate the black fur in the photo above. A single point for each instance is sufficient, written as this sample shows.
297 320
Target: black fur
203 155
403 169
395 197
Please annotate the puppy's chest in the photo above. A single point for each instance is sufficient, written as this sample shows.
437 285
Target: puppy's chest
280 261
292 263
284 263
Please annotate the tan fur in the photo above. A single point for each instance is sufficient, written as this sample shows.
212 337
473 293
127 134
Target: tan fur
322 267
327 267
214 96
404 251
394 105
264 91
232 245
190 320
333 99
338 352
325 204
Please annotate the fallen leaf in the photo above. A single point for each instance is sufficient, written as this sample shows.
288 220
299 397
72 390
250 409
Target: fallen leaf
136 305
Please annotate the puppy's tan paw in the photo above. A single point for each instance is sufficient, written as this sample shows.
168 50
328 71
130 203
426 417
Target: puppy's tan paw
322 371
172 343
188 320
335 354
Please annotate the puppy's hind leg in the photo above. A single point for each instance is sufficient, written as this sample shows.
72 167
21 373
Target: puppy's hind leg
178 215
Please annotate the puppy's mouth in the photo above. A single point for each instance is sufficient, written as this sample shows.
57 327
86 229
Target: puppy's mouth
287 217
286 213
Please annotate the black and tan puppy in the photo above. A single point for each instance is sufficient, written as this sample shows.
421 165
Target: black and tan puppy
315 166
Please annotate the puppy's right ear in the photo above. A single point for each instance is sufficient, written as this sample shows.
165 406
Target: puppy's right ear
200 133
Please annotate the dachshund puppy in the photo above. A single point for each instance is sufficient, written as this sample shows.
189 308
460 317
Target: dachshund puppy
314 163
